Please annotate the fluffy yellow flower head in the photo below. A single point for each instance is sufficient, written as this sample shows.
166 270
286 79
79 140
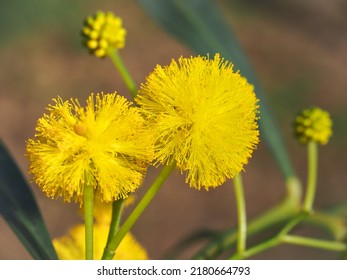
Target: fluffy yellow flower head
72 246
313 124
101 31
105 144
204 118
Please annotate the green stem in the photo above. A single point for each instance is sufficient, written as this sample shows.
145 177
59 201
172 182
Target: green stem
335 225
123 71
273 242
292 223
88 220
136 213
315 243
283 237
276 215
241 214
312 175
117 209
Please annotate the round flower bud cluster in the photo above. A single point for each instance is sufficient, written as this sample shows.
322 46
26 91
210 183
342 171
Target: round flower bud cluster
103 31
313 124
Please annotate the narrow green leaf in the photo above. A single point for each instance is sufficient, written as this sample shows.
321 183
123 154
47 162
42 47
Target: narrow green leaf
202 26
19 209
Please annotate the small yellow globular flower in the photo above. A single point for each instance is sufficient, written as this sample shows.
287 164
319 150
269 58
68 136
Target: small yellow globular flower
105 145
313 124
204 118
103 211
72 246
103 31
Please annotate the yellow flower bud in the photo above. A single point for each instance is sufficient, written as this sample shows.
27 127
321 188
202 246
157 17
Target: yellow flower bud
80 129
92 44
313 124
103 31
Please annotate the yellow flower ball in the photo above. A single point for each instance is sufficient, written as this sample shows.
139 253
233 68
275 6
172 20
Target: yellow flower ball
72 245
204 118
103 31
313 124
106 145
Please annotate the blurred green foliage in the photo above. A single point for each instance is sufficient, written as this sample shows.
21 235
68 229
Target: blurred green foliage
24 18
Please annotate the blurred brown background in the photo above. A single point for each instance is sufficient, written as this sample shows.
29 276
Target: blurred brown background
297 48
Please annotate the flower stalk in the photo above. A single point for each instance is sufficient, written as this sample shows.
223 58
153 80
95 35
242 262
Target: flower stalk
113 54
315 243
88 220
241 214
117 210
312 176
136 213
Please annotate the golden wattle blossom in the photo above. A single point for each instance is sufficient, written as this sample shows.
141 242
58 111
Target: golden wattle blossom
204 118
106 145
72 245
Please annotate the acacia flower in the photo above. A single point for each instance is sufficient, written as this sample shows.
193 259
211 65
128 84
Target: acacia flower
102 31
72 245
313 124
105 145
204 118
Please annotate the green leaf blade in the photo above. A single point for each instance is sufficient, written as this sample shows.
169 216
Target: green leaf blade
19 209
